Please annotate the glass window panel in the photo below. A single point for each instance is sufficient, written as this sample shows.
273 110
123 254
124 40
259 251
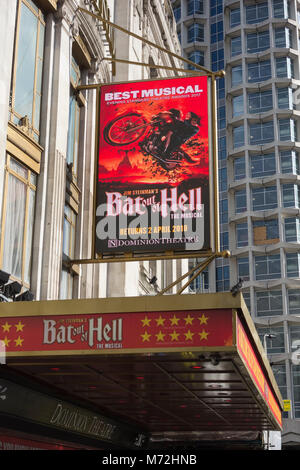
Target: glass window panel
241 235
292 264
223 206
236 75
239 168
243 268
235 17
197 57
256 13
285 98
26 100
14 226
236 46
222 278
263 165
294 301
196 32
282 37
274 345
259 71
264 198
280 8
29 234
290 195
292 229
257 42
66 285
237 105
240 201
268 303
260 102
289 162
261 133
195 7
238 136
25 71
284 67
267 267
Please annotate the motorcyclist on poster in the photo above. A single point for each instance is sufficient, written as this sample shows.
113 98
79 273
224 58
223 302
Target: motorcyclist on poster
170 131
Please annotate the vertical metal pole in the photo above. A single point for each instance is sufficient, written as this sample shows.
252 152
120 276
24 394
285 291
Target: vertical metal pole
215 160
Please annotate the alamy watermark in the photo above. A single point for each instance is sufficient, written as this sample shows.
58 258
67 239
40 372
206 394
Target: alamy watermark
126 221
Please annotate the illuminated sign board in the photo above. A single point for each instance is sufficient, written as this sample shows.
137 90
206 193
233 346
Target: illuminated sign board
153 169
116 332
247 353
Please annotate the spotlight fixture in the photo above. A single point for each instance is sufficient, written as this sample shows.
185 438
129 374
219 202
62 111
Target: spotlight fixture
12 289
25 296
4 277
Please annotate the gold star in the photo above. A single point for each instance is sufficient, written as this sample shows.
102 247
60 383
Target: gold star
174 320
160 321
19 326
189 335
145 336
189 320
6 327
203 319
18 341
174 336
6 341
146 321
160 336
203 335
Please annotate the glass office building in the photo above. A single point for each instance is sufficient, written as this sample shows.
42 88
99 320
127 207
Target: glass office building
257 44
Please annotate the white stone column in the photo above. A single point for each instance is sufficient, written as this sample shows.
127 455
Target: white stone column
41 193
7 32
56 187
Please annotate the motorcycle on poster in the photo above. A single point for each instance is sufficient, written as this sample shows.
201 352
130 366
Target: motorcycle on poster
152 188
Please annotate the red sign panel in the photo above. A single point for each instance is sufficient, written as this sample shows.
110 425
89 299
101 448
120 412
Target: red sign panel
120 331
153 167
249 357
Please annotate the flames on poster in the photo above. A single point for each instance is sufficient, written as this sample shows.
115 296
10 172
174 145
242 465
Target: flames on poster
153 167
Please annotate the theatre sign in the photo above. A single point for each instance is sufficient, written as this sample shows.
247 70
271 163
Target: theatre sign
155 176
171 327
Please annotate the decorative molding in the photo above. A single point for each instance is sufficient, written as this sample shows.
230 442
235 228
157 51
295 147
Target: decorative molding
23 147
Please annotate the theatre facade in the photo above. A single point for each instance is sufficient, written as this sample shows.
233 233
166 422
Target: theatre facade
135 373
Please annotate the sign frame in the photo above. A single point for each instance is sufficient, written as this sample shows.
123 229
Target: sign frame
214 249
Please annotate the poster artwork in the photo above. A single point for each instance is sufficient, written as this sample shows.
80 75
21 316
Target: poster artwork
153 167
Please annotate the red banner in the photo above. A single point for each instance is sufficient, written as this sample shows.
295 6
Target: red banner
118 331
248 354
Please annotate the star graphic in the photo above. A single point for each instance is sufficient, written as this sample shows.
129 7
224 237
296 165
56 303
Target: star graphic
145 336
203 319
174 336
19 326
203 335
6 341
19 341
174 320
146 321
6 327
160 321
189 320
160 336
189 335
